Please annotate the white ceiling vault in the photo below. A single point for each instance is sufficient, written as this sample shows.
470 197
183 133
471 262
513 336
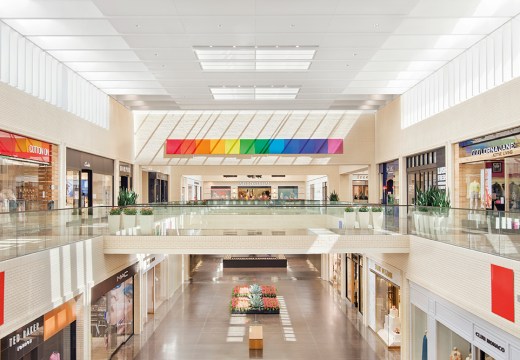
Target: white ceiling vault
366 51
152 128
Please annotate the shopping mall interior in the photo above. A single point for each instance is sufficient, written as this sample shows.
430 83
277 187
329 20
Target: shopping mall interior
244 179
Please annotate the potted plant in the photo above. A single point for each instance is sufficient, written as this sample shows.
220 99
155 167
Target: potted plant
126 197
146 221
333 196
114 220
350 217
129 217
364 217
377 217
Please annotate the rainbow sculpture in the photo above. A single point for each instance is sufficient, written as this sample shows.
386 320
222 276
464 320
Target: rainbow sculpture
253 146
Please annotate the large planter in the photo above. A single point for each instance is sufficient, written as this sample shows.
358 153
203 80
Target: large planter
129 221
364 218
114 223
377 220
147 222
350 219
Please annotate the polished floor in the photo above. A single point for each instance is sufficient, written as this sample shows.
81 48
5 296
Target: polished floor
314 323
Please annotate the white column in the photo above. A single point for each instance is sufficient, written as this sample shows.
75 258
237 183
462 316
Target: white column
325 267
139 300
343 285
185 268
62 176
116 182
450 171
374 192
432 337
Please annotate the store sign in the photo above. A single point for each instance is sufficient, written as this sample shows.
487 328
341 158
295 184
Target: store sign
22 341
125 169
386 271
254 183
86 164
359 177
484 339
110 283
22 147
496 148
441 177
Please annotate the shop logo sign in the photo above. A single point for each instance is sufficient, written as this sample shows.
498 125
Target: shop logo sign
498 150
490 342
122 276
33 149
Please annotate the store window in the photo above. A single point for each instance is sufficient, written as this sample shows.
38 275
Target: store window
354 281
389 182
388 323
102 190
450 345
419 333
424 171
221 192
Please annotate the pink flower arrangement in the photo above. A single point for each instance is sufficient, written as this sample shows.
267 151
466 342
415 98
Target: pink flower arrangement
240 291
271 304
268 291
240 304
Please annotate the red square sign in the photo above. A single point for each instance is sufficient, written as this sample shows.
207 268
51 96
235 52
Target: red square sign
503 292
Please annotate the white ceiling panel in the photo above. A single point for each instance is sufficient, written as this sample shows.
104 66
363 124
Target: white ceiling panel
431 41
455 26
365 24
293 24
64 27
48 9
416 55
80 42
112 66
97 55
146 25
211 7
137 50
136 7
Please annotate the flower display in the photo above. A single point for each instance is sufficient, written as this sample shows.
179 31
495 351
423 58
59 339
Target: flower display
268 291
271 304
254 299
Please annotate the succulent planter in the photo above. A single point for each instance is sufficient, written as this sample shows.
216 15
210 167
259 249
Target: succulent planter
114 223
129 221
377 220
364 218
146 223
350 219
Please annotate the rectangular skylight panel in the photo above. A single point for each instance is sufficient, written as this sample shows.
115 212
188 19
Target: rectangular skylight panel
283 65
235 90
285 54
284 90
233 97
275 97
230 54
225 65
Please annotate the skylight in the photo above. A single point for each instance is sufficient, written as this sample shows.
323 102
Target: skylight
250 58
254 93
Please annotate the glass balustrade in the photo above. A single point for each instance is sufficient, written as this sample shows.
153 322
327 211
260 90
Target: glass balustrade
492 232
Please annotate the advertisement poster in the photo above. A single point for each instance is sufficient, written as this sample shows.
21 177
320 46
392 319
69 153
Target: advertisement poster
485 190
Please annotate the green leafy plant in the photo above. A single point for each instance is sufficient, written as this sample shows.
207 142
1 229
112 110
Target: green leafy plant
255 289
433 197
363 209
377 209
349 209
130 211
146 211
115 211
256 302
127 197
333 196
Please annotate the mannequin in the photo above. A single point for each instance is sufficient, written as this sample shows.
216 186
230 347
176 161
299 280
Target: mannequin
474 194
394 312
455 354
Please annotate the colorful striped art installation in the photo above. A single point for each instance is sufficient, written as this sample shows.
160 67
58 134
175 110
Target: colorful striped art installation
253 146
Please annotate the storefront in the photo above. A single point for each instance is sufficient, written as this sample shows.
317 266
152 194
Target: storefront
389 182
154 282
112 313
125 176
28 173
354 283
489 172
335 274
442 330
424 171
157 187
90 180
257 192
220 192
360 188
384 301
51 336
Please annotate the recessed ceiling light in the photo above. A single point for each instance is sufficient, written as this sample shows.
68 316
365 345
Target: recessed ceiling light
234 46
277 46
297 46
255 93
211 46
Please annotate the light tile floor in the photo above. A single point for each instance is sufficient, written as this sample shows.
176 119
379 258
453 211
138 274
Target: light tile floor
313 324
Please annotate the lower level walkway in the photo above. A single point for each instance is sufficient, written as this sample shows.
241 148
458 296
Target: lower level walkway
198 324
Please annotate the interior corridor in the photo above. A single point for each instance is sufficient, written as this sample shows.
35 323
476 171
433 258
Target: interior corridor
197 323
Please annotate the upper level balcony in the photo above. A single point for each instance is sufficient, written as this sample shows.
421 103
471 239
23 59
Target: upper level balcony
271 227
